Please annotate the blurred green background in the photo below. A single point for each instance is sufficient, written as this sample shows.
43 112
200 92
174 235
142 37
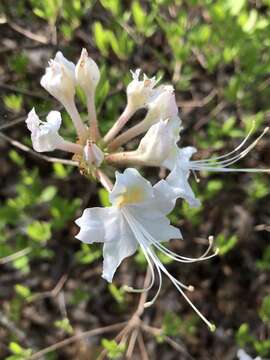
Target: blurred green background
217 56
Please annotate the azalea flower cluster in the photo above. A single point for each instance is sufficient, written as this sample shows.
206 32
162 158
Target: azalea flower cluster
138 214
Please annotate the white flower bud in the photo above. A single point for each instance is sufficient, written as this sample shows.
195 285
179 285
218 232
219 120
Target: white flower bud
44 134
162 105
92 154
159 142
87 73
139 91
59 78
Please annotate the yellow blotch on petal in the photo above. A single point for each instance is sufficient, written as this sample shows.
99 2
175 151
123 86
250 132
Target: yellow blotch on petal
132 195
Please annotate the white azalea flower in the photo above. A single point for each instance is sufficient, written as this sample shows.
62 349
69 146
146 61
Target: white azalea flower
93 155
242 355
137 218
44 134
59 79
87 73
139 91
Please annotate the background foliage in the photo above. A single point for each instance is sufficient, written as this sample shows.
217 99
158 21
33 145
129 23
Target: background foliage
216 54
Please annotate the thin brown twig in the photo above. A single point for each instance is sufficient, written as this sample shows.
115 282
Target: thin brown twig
25 148
142 347
15 256
52 293
199 102
157 331
16 121
132 342
89 333
27 33
22 119
135 321
23 91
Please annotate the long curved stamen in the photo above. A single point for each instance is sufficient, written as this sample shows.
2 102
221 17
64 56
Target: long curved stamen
176 284
233 151
146 251
159 266
172 254
143 235
216 169
221 165
146 289
151 302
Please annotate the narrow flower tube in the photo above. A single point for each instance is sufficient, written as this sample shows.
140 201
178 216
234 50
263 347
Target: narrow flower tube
45 136
139 93
162 105
154 148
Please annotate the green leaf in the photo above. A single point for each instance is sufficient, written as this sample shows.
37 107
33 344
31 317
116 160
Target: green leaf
103 195
48 194
115 351
23 291
265 310
225 244
13 102
101 38
39 231
64 325
139 15
235 6
243 336
117 293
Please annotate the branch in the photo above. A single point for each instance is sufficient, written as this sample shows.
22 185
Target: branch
15 256
75 338
27 149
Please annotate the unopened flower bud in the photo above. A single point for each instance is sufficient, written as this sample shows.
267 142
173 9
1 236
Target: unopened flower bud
92 154
87 73
162 105
59 78
156 145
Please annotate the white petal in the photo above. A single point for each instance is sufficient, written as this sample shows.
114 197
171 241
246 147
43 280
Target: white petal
99 225
32 120
162 105
69 65
59 79
54 119
44 135
114 252
242 355
178 180
139 91
159 142
130 187
156 223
